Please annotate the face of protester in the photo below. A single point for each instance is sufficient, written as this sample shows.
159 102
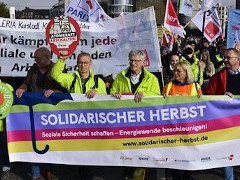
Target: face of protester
222 51
206 45
188 50
204 56
231 60
84 64
42 59
180 74
174 60
136 64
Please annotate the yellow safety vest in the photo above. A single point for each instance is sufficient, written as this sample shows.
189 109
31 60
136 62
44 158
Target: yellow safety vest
219 59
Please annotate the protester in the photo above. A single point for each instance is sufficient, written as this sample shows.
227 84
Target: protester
6 173
83 80
219 61
138 81
164 56
188 57
207 67
168 70
108 80
206 45
39 80
226 82
183 84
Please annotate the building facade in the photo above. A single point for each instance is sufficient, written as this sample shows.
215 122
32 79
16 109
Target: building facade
223 17
29 13
159 7
121 6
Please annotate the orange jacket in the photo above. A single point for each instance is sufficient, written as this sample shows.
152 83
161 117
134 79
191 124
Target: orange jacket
178 89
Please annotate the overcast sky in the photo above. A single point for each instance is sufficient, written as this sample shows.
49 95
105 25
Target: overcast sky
35 4
47 4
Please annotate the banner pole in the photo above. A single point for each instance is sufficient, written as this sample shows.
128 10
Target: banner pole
204 16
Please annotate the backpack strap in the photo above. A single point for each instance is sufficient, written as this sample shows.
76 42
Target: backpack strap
96 82
73 83
169 88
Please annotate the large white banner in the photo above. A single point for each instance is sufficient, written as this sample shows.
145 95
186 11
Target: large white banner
108 43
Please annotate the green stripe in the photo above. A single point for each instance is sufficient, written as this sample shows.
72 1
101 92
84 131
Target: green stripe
120 103
19 108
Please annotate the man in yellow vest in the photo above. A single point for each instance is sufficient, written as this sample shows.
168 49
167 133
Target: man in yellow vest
138 81
83 80
219 63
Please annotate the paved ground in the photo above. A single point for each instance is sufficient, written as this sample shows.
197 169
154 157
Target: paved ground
114 173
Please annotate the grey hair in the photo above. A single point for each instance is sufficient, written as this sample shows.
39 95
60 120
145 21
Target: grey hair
83 54
135 53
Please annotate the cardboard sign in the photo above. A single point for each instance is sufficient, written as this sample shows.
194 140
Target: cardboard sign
63 34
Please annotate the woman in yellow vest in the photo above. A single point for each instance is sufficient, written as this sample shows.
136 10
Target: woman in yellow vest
183 84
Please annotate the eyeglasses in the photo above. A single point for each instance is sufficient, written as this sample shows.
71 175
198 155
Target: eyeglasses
134 61
84 62
228 58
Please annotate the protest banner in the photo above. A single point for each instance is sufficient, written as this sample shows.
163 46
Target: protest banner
108 45
233 32
173 132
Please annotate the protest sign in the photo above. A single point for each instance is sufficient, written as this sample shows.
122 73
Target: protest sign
63 34
173 132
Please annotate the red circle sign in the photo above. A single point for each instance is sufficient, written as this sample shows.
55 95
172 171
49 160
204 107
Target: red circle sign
63 34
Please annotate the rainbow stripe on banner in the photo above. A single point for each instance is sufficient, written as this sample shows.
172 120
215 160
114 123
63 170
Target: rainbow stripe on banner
174 132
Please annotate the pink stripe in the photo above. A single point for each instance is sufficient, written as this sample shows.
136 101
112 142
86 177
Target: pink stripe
116 133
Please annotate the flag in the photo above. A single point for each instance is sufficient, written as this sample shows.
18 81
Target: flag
208 4
171 43
171 20
86 11
186 8
165 40
233 31
212 27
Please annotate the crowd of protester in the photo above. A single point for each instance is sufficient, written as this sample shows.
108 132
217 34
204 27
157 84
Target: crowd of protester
193 67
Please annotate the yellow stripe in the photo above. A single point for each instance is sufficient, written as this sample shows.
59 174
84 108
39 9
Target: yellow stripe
116 144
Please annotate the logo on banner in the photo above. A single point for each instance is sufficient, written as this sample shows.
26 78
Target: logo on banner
230 158
125 158
143 158
6 100
211 30
162 159
63 34
146 61
205 159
